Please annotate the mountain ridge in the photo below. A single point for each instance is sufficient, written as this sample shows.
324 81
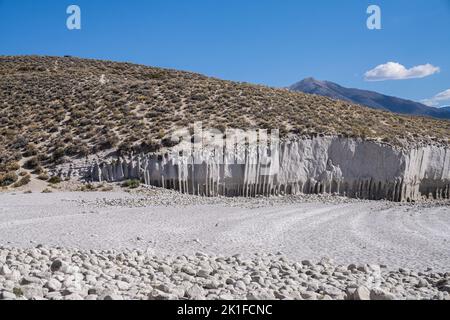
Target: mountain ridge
368 98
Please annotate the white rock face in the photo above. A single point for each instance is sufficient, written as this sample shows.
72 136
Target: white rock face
351 167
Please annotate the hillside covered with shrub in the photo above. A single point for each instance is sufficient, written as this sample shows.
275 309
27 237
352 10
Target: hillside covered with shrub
55 108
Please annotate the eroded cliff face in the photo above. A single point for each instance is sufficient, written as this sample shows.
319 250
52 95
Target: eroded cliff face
349 167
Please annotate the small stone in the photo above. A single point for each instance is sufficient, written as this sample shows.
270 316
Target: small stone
165 269
332 291
195 293
122 285
361 293
74 297
260 295
112 297
159 295
422 283
92 291
374 268
188 270
105 294
201 254
309 295
53 285
54 296
312 286
213 284
404 271
379 294
5 295
39 299
352 267
307 263
240 285
32 291
179 292
364 268
8 285
203 273
280 296
445 288
70 290
4 270
14 276
30 280
326 261
56 265
163 288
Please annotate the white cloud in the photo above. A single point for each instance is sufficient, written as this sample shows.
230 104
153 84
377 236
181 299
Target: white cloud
438 100
396 71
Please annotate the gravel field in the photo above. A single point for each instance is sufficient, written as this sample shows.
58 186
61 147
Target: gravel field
56 274
158 244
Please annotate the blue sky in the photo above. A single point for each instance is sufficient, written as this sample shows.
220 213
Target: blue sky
272 42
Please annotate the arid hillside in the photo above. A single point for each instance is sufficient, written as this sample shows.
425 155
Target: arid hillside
56 108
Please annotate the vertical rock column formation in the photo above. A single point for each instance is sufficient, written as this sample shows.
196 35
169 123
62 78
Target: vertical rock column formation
354 168
427 173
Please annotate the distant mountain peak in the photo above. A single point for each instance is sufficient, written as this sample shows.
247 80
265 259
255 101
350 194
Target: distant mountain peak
370 99
311 81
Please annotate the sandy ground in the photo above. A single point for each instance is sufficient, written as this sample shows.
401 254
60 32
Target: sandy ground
395 235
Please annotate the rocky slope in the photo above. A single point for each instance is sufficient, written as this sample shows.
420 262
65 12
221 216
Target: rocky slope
54 110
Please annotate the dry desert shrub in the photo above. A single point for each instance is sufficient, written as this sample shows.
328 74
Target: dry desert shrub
8 179
23 181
